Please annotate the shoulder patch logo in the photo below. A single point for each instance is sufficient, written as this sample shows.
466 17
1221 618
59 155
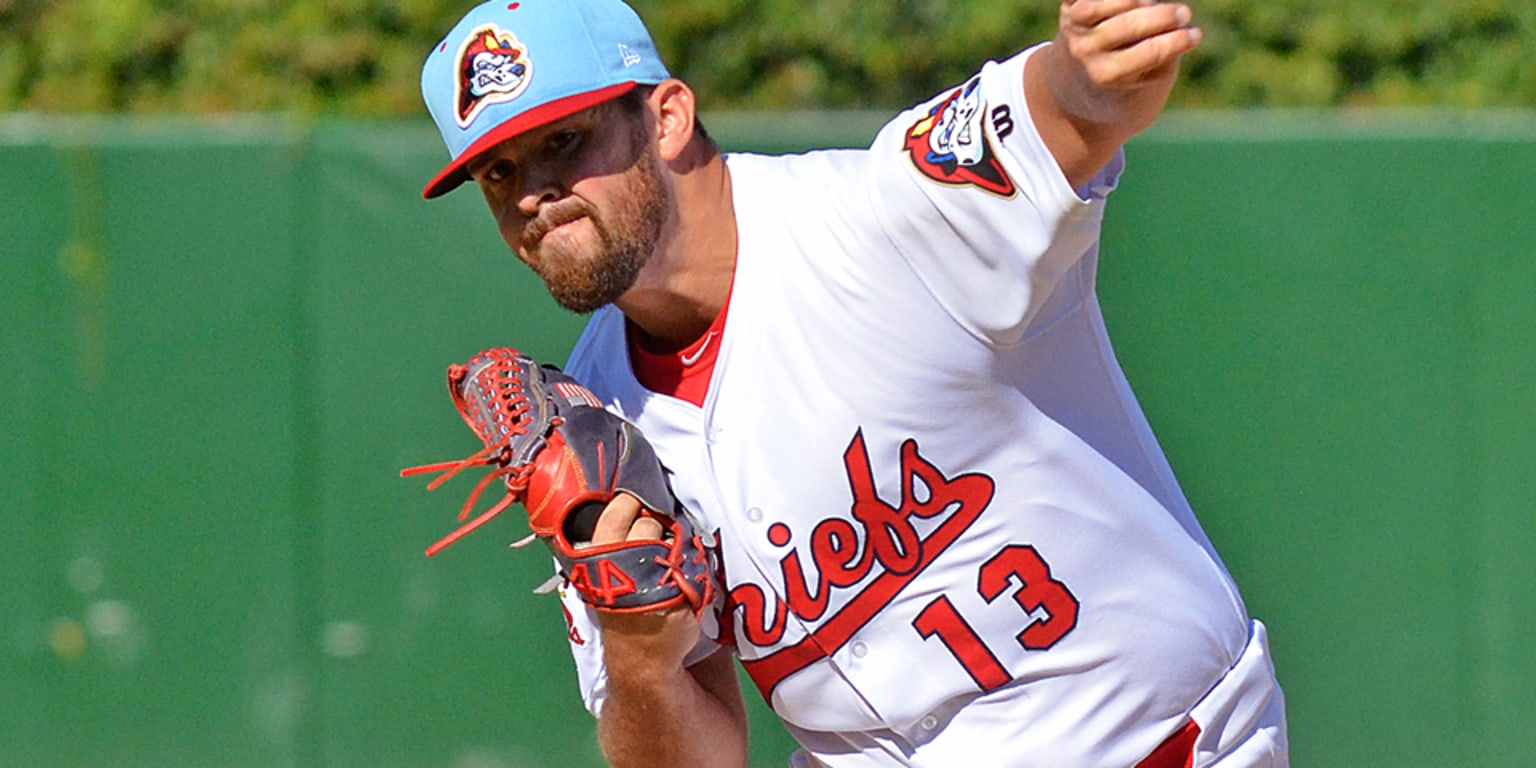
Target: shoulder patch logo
493 67
950 145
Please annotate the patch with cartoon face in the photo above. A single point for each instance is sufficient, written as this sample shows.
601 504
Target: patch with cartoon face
493 67
949 145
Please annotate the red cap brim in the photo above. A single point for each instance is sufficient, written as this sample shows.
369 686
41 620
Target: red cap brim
452 176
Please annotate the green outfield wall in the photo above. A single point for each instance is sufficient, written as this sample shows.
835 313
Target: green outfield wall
220 340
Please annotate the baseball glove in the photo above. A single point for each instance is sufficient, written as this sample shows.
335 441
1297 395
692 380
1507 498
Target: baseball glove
564 457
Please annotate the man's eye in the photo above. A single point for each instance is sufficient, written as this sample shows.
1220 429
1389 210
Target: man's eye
564 142
498 171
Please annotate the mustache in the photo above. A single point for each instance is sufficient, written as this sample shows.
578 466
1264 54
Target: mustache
553 215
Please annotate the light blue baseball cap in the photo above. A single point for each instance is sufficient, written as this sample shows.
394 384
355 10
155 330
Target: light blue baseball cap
508 67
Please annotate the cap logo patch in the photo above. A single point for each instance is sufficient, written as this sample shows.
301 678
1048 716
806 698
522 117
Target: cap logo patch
493 67
950 146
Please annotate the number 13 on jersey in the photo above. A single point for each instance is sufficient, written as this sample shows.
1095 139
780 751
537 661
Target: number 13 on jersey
1019 567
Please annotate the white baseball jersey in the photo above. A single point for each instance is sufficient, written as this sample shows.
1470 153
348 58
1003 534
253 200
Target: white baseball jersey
948 534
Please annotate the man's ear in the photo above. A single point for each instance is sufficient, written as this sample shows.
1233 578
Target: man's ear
672 103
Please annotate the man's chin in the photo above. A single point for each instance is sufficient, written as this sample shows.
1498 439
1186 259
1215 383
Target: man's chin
581 303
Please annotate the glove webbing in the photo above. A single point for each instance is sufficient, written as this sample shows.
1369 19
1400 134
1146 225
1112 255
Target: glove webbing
496 417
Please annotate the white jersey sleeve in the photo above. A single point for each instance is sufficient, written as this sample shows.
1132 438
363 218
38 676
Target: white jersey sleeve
973 200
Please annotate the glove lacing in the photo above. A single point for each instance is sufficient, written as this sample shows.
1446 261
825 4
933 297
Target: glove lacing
495 418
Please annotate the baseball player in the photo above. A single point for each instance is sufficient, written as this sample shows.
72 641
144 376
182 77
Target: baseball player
880 382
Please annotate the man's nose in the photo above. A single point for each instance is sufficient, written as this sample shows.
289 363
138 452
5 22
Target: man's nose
539 187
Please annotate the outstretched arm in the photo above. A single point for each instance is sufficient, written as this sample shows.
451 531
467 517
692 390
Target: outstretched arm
1105 78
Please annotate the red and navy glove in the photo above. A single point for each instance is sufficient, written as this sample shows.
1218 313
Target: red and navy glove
564 457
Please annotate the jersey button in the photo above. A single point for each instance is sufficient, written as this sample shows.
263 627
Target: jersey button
859 650
929 723
755 515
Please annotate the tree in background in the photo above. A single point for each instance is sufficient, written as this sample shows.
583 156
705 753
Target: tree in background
363 57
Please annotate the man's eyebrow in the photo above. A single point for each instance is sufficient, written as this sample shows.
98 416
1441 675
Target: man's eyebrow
482 162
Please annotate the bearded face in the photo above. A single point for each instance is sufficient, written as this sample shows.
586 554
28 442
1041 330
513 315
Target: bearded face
589 257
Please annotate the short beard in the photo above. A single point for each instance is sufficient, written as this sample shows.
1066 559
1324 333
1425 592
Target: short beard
583 283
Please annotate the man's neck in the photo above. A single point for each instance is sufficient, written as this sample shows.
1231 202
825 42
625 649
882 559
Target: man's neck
685 285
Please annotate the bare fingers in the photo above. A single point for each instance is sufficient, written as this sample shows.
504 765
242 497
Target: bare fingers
645 528
622 520
1148 58
1122 42
1089 13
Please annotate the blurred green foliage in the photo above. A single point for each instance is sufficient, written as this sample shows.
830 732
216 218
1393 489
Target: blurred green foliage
363 57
